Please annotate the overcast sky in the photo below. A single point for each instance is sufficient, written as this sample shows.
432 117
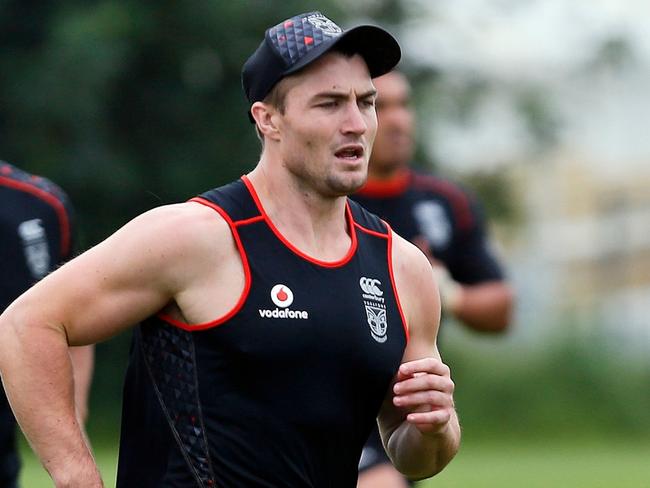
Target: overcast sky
549 44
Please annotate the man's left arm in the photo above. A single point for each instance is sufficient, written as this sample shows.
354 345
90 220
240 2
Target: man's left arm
418 421
83 361
82 357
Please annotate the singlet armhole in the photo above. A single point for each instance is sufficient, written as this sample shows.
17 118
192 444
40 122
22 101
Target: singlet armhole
247 277
389 238
392 281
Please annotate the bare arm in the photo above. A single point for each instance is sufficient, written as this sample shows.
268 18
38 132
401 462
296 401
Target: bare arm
418 422
131 275
484 307
83 360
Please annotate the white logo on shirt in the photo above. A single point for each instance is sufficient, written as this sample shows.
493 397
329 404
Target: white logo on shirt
282 296
37 253
373 301
433 223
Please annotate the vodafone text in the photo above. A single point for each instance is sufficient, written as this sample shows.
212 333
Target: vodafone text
283 314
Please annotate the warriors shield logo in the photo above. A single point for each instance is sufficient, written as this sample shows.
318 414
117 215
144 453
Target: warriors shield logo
377 321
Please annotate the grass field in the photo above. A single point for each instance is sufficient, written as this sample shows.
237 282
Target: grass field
488 465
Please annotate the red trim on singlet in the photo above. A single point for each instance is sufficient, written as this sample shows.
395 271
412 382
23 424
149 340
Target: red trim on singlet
247 274
50 199
392 280
295 250
460 204
389 238
252 220
369 231
392 187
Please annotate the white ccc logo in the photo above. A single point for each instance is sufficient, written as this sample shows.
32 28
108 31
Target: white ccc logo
370 286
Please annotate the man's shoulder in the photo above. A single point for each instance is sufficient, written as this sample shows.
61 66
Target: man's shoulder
458 202
182 220
365 219
430 183
236 200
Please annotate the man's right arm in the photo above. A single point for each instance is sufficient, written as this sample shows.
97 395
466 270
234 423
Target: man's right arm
131 275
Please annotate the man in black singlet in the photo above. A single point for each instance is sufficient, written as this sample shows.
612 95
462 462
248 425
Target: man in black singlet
35 236
445 222
278 319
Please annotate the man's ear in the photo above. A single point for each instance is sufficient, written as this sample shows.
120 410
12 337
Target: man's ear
266 120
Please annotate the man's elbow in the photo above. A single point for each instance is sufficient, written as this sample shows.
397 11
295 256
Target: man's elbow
8 336
428 470
431 460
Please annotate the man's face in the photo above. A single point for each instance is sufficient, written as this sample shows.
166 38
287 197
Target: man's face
394 144
329 124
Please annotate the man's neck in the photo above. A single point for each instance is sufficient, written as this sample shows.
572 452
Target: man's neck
314 224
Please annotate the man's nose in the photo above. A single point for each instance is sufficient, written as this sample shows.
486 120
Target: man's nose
355 122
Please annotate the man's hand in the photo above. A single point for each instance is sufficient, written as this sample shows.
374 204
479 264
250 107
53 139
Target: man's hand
424 388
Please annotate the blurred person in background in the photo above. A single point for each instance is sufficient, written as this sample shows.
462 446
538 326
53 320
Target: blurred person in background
227 385
35 237
444 222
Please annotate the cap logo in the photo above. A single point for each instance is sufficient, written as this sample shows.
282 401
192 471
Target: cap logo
324 24
295 37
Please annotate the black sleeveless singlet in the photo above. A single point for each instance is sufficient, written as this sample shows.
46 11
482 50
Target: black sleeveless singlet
284 389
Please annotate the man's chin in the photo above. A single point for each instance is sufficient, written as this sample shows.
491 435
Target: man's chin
347 185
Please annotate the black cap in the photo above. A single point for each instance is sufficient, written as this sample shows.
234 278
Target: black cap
294 43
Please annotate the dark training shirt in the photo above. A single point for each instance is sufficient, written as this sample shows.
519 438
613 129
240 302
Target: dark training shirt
35 237
283 390
422 207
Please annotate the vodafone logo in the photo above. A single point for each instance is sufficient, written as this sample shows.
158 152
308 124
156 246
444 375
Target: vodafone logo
282 295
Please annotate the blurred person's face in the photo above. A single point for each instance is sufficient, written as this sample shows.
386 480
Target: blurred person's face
329 124
394 144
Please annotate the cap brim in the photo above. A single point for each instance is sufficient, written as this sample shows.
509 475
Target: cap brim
378 48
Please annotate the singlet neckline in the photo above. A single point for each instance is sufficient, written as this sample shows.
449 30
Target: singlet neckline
392 187
326 264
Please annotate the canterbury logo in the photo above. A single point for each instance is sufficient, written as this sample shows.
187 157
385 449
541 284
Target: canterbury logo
370 286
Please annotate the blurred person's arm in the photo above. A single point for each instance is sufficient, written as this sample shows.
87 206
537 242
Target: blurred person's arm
473 288
483 307
418 421
109 288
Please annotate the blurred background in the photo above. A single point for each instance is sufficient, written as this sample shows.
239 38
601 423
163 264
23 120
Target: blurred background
538 106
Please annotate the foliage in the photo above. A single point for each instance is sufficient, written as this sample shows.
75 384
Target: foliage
129 104
567 385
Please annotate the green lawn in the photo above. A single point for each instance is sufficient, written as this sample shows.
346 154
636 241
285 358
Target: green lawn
34 476
547 465
489 465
